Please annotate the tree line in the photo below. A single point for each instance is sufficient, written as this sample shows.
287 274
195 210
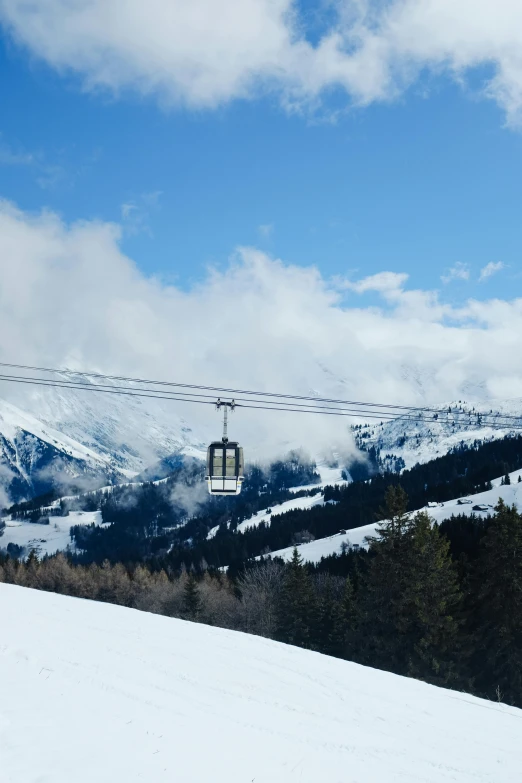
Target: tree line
465 470
419 603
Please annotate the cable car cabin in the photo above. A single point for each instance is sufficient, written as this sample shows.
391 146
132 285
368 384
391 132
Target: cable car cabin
224 468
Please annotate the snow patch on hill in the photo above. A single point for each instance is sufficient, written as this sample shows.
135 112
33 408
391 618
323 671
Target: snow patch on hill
46 539
313 551
97 692
329 477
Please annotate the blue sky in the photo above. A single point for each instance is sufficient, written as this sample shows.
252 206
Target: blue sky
377 142
429 181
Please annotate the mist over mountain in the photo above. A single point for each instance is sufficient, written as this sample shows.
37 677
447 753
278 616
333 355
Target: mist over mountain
66 438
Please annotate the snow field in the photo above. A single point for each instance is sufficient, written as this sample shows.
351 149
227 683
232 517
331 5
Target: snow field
94 692
323 547
46 539
329 477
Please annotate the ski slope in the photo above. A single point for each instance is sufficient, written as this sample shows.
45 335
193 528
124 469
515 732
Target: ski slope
94 692
323 547
46 539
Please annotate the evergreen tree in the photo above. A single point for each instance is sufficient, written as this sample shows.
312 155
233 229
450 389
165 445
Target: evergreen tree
497 607
409 598
381 606
297 606
335 616
436 604
192 604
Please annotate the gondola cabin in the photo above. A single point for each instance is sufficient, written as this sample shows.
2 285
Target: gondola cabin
225 468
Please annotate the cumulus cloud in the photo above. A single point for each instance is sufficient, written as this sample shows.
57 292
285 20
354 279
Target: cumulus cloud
490 269
389 284
69 297
458 272
204 53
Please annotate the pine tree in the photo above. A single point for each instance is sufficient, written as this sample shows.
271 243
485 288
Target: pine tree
296 615
435 604
335 616
381 592
409 598
192 605
497 615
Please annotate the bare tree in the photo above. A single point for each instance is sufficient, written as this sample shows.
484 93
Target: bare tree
260 588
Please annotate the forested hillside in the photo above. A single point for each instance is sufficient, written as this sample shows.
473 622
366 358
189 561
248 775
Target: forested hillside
466 470
438 603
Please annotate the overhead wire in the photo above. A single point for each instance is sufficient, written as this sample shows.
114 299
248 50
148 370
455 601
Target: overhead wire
373 411
279 396
188 397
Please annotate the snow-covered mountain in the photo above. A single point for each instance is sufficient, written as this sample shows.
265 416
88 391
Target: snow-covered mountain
408 440
133 432
63 436
35 456
112 694
53 436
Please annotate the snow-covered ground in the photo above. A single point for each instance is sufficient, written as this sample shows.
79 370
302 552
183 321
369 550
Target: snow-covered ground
289 505
94 692
329 477
322 547
46 539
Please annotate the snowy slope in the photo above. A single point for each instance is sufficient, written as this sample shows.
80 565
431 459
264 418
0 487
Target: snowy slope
416 440
131 432
55 434
329 477
46 539
266 514
35 456
94 692
323 547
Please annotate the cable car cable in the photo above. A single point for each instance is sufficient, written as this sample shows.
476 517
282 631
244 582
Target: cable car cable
186 397
381 415
235 392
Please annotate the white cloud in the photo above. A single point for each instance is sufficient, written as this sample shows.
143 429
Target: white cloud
389 284
70 297
458 272
490 269
204 53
